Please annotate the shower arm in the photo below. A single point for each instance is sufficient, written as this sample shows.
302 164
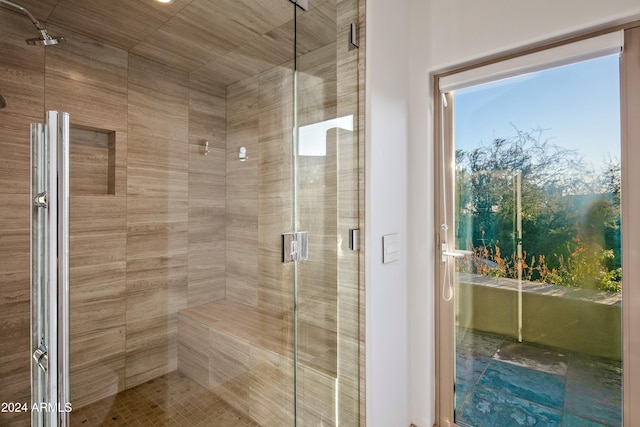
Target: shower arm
41 29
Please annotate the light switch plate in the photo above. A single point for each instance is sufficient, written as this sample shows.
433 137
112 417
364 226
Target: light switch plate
390 248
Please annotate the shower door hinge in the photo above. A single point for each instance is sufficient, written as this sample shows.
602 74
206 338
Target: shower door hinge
354 239
294 247
353 36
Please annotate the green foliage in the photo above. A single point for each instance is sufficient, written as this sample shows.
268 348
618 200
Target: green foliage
570 214
584 268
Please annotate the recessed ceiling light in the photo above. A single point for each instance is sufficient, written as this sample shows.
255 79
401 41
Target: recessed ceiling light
164 1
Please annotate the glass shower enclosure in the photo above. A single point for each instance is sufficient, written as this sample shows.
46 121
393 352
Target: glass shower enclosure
195 238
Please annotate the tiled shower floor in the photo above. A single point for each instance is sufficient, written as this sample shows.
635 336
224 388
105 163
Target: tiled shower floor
500 382
169 400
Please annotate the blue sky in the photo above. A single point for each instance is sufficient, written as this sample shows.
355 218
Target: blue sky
578 104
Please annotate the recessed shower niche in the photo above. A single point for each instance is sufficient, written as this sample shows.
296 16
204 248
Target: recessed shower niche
93 167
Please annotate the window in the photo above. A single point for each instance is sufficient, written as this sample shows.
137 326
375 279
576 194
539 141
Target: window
533 276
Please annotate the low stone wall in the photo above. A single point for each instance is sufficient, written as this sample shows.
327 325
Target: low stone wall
579 320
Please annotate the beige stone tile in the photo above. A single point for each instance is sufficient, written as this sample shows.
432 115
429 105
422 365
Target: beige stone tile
349 411
242 220
193 333
242 100
316 397
97 295
203 292
157 167
96 248
88 79
15 369
213 163
242 177
15 294
158 102
15 237
119 21
14 300
317 348
272 402
276 279
242 131
229 357
263 53
97 214
160 296
241 289
16 419
193 349
22 82
206 223
96 380
144 211
194 364
207 257
15 172
317 27
206 272
207 184
207 111
245 21
242 268
88 347
151 348
276 92
89 162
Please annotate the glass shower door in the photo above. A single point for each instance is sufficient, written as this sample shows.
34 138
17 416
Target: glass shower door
50 403
326 207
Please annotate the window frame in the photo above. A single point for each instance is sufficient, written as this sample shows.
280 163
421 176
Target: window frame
630 149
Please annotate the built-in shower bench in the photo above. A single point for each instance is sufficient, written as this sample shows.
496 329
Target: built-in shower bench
244 355
204 328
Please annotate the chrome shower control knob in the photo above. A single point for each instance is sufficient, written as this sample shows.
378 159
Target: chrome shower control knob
41 357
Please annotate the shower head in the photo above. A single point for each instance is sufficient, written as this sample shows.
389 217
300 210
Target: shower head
3 103
45 38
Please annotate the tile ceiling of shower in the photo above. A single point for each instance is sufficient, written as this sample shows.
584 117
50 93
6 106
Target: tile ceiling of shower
220 40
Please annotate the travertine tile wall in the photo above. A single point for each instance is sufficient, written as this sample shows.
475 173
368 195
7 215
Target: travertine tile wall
22 85
259 190
154 246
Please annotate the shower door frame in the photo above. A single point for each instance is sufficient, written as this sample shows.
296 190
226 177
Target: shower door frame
50 403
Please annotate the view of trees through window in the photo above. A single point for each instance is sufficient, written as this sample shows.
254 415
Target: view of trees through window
569 178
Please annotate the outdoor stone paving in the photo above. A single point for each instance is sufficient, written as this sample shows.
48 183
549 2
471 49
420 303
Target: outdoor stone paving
500 382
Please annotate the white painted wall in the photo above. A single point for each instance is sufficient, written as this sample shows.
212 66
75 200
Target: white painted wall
406 41
387 112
